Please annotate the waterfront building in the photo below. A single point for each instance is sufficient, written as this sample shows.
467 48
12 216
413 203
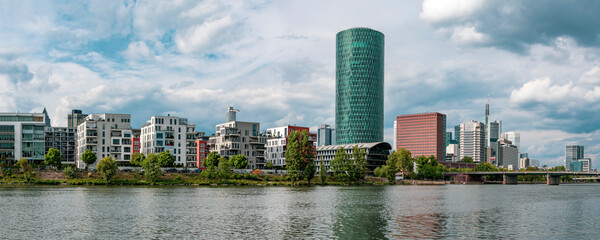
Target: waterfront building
22 135
376 153
277 143
508 155
64 140
202 149
325 135
173 134
136 145
422 134
359 86
237 137
75 118
105 135
452 153
472 140
572 154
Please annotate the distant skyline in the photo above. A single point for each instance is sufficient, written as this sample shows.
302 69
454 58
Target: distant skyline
275 61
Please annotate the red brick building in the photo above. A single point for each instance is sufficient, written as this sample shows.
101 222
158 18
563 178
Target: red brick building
421 134
202 151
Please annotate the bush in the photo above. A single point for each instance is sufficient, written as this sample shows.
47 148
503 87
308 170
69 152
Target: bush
107 167
70 172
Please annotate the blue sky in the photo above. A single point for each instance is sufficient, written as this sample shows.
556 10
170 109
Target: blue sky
275 61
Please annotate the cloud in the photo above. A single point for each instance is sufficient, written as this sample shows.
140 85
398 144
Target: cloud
515 26
137 50
208 35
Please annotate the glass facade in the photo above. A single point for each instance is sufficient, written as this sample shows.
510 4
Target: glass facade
359 86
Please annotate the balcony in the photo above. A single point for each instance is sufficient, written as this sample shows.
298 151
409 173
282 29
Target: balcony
91 142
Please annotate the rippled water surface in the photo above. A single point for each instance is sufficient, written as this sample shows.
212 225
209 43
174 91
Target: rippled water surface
396 212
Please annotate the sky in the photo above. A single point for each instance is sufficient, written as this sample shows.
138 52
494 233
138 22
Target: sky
539 61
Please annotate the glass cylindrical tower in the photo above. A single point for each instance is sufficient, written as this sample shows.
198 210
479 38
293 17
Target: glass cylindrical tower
359 86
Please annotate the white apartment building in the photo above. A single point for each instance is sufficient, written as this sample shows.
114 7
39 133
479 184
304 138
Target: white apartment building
105 135
452 153
472 140
162 133
277 142
22 135
237 137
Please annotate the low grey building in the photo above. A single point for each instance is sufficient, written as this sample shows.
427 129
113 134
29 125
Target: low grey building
376 153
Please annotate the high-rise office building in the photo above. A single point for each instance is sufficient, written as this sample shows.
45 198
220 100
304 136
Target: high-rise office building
507 155
572 154
472 140
75 118
457 134
22 135
422 134
325 135
514 137
359 86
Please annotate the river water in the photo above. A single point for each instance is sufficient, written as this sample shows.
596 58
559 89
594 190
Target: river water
364 212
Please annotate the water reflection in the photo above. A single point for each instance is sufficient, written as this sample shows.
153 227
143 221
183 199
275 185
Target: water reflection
397 212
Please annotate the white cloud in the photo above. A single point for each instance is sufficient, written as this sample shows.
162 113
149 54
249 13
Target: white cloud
543 90
205 36
444 10
137 50
468 35
592 76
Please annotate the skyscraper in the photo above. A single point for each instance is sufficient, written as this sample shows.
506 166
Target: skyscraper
325 135
514 137
359 86
572 154
472 140
422 134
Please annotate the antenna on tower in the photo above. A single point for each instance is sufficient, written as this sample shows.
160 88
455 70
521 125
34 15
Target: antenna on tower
488 98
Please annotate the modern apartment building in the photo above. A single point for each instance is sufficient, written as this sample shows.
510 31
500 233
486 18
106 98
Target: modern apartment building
359 86
173 134
508 155
472 140
325 135
105 135
22 135
376 153
277 142
237 137
572 154
202 149
136 145
422 134
63 139
75 118
452 153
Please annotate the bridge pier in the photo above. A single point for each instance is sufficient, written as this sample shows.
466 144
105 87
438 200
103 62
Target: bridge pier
509 179
552 179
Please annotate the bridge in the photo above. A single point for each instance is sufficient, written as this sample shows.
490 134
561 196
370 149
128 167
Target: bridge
552 178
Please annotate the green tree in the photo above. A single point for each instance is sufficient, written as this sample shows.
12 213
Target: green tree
269 165
339 164
239 161
137 159
322 172
486 167
224 168
309 171
467 159
358 164
24 165
211 163
107 167
151 167
165 159
53 158
299 153
428 168
88 157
